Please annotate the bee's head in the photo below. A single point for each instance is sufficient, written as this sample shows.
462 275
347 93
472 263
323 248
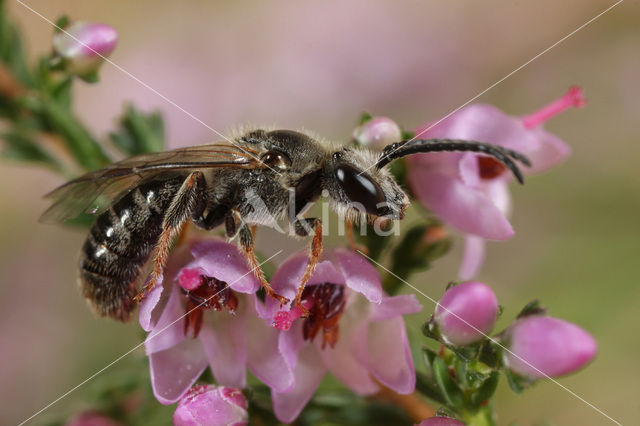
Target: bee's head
356 186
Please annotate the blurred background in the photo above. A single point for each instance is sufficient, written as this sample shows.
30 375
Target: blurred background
318 65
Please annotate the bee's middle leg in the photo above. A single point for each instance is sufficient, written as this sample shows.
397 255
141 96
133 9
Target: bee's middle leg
236 226
302 229
184 205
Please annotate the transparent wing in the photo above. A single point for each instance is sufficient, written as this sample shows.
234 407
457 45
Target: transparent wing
95 191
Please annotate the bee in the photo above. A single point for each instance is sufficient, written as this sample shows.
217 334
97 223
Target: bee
143 202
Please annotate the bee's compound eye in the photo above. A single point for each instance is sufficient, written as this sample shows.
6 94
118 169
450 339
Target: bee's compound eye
360 189
276 159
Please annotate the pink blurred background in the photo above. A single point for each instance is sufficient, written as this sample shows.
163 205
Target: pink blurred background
317 65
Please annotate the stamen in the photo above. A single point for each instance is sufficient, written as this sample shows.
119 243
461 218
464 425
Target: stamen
573 98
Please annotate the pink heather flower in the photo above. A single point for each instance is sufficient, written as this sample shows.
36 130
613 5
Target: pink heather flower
224 333
212 405
353 330
547 346
378 132
440 421
466 313
92 418
85 45
470 191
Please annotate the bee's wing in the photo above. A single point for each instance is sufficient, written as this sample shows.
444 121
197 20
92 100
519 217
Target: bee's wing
96 191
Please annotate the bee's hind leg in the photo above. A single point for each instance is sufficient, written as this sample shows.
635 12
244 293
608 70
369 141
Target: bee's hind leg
183 207
235 225
303 228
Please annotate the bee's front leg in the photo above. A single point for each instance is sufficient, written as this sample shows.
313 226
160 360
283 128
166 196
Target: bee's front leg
236 226
303 228
183 206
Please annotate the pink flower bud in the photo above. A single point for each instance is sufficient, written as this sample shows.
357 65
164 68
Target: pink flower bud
440 421
212 405
466 313
378 132
547 346
84 45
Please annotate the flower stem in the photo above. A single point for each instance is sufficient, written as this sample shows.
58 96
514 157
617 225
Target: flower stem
412 403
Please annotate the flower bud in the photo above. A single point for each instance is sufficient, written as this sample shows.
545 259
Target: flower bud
440 421
212 405
378 132
466 313
84 45
547 346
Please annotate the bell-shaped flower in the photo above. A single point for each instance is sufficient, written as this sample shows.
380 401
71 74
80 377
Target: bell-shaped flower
212 406
205 314
440 421
541 346
469 191
352 329
377 132
84 45
466 313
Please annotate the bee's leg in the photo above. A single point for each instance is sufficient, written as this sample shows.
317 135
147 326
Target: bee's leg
302 229
235 225
353 244
181 209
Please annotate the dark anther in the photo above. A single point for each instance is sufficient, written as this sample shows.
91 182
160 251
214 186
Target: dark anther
211 294
328 303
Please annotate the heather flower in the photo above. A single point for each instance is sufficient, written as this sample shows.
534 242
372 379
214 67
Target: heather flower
206 316
212 405
440 421
543 346
470 191
466 313
92 418
353 330
84 45
377 132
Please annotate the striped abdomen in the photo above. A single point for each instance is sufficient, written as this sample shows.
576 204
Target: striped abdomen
119 244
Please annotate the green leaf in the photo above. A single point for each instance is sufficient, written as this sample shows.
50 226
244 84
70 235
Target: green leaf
85 150
415 253
139 132
19 146
532 308
449 389
364 117
61 23
427 387
518 383
486 390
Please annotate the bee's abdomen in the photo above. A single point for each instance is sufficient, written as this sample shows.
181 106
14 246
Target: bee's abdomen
118 246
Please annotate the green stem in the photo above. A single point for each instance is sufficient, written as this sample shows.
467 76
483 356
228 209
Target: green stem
483 417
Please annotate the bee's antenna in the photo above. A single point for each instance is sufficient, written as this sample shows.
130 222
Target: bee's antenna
416 146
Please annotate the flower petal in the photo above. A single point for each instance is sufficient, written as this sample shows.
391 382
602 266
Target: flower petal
389 355
174 370
264 358
223 338
469 170
308 372
224 261
359 274
465 208
473 257
169 330
148 304
395 306
347 360
552 151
